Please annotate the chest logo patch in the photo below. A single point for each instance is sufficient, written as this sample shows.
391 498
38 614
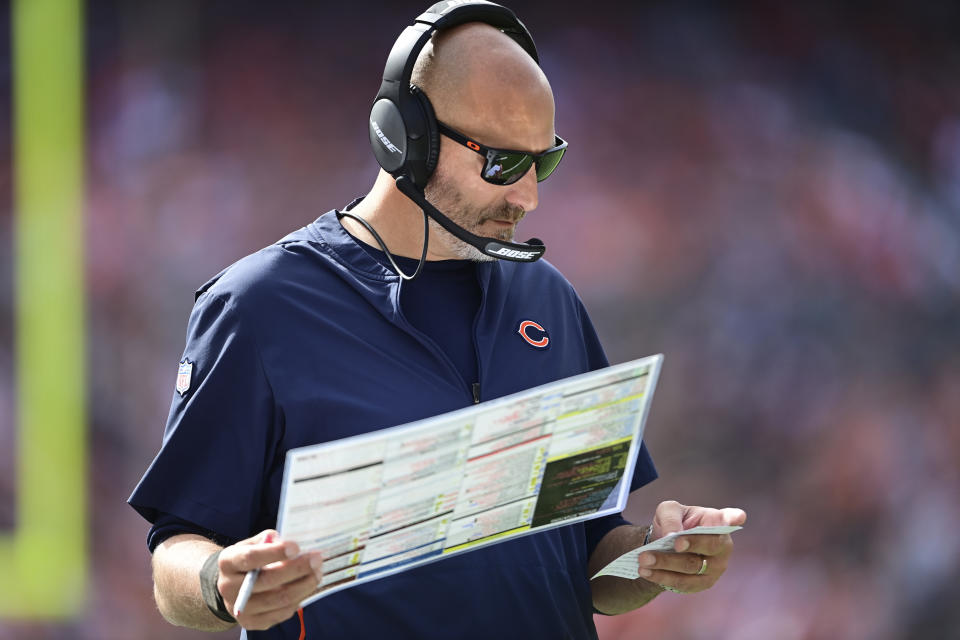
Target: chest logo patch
534 334
184 376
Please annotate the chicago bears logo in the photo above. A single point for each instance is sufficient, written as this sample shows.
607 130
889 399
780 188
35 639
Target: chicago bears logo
535 335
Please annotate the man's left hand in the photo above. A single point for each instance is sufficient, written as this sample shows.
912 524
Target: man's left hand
699 560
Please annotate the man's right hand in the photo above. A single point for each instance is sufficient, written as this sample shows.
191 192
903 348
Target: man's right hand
286 578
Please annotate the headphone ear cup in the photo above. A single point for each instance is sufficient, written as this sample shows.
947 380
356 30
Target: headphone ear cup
388 136
431 137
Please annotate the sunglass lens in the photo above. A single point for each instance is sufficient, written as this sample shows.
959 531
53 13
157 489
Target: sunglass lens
548 163
506 168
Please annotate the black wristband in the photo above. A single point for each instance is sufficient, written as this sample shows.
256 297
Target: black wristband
209 575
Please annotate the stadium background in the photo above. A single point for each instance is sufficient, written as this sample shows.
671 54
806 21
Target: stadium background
767 193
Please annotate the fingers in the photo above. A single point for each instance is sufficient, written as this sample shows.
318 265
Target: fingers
671 516
286 578
279 589
278 574
281 601
704 545
256 552
682 571
269 608
688 563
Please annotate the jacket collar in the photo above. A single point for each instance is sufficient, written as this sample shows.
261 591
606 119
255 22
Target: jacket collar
347 251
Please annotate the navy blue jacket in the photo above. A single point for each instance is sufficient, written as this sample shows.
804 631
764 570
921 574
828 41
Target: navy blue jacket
305 342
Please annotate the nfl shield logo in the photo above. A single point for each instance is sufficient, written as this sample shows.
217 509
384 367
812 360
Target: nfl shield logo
184 373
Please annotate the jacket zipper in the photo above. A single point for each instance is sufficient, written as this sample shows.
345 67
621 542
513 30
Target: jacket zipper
432 347
475 387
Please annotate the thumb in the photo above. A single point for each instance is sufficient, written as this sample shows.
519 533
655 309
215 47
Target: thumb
733 516
668 518
722 517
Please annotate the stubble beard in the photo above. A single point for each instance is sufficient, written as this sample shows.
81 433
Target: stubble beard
444 195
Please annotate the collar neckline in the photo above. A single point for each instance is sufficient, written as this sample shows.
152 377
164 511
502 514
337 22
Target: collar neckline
365 259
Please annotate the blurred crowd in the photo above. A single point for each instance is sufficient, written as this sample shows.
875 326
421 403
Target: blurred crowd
766 193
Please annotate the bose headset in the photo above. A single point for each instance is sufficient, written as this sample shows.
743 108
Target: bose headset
403 127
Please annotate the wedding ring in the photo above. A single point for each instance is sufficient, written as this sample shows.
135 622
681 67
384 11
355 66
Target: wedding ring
703 568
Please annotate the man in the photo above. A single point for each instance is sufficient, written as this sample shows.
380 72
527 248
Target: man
316 338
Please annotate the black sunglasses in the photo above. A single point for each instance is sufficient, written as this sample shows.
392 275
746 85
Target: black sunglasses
504 166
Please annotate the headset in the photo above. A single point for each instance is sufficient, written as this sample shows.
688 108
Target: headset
403 126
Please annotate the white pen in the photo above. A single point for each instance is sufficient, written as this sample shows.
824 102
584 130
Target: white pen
246 590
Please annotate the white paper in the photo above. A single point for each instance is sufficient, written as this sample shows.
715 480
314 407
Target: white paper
383 502
626 565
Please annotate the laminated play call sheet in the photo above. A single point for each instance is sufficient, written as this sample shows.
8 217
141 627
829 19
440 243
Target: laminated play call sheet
383 502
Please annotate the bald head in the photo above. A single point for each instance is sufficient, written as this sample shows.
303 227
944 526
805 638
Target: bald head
482 82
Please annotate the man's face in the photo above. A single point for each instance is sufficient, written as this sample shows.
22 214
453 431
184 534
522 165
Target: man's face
457 189
492 219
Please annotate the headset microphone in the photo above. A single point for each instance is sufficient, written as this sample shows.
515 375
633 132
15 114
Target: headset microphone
529 251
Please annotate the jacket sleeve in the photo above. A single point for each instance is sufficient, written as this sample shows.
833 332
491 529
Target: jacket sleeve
216 447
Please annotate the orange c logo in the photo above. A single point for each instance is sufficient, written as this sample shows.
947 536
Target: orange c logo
539 343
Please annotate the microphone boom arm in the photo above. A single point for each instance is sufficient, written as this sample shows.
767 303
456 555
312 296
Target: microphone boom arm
529 251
